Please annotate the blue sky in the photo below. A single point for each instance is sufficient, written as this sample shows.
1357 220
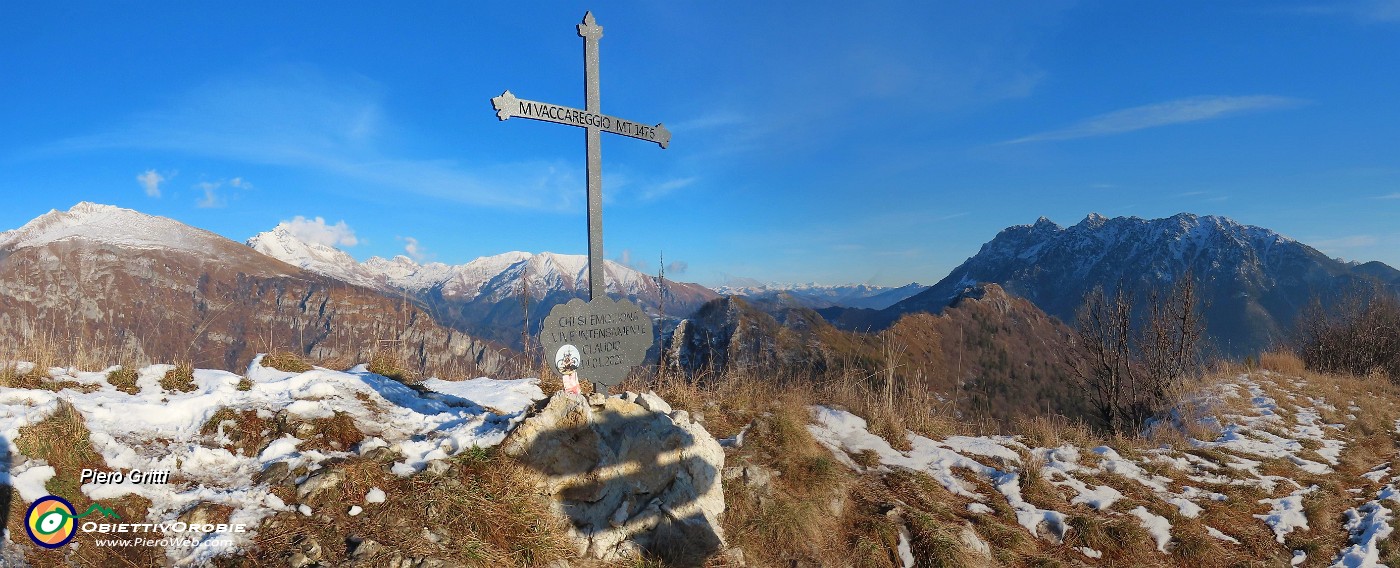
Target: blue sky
879 144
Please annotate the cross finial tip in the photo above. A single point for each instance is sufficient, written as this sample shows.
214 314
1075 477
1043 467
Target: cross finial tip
589 28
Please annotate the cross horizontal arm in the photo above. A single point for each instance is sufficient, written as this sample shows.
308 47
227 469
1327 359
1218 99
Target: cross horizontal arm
507 105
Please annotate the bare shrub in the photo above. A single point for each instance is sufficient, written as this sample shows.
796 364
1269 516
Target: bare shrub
1359 335
1129 369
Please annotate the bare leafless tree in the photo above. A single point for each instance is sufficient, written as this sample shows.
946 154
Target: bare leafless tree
1103 360
1358 335
1129 369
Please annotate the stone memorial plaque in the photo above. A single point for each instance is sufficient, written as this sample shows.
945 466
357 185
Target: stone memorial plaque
610 337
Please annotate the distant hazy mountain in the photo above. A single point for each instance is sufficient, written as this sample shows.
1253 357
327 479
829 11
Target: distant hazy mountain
1254 281
147 287
820 296
483 297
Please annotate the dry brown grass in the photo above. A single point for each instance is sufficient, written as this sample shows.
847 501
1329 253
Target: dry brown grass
179 379
64 441
1285 362
124 378
337 432
247 432
486 505
391 365
1054 431
286 361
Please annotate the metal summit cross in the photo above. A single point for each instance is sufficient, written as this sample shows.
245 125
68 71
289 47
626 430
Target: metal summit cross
601 340
591 119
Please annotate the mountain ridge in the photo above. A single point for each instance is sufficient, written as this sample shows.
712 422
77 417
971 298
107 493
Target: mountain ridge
1255 280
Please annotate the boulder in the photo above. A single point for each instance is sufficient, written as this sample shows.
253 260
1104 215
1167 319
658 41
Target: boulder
630 474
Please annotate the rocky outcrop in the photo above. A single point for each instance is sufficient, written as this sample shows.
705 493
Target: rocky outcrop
630 474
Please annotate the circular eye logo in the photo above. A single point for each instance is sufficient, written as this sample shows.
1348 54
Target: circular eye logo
50 522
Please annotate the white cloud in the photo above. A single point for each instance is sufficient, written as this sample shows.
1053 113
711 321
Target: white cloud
150 180
677 267
211 197
626 259
414 250
1395 195
318 231
1180 111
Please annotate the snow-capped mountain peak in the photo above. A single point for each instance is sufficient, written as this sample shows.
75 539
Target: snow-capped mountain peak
98 223
282 244
819 296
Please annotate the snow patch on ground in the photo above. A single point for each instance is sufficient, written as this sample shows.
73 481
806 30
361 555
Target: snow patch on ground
1286 515
167 435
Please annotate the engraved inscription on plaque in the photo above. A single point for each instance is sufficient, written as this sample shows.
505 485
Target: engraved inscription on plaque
611 336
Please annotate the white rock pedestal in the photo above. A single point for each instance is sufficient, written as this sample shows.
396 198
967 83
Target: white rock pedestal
628 473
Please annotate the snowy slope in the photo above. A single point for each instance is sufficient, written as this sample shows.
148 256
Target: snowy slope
282 245
1280 448
155 429
106 224
496 277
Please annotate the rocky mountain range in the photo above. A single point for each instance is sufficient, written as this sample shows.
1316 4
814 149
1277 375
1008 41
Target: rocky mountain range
487 296
817 296
1253 281
138 287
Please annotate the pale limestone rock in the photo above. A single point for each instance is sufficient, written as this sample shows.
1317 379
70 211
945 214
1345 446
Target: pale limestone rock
629 473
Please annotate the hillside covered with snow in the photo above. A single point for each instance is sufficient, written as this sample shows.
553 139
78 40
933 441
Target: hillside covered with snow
1258 466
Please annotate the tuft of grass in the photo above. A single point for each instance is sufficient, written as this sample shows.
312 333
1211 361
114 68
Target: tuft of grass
180 379
64 441
1197 547
1284 362
247 432
389 365
938 542
35 378
337 432
124 378
285 361
1089 530
244 384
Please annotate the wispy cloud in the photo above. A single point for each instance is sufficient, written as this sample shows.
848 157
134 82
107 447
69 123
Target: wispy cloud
415 250
213 194
211 197
677 267
297 117
318 231
150 180
1395 195
665 188
626 258
1180 111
